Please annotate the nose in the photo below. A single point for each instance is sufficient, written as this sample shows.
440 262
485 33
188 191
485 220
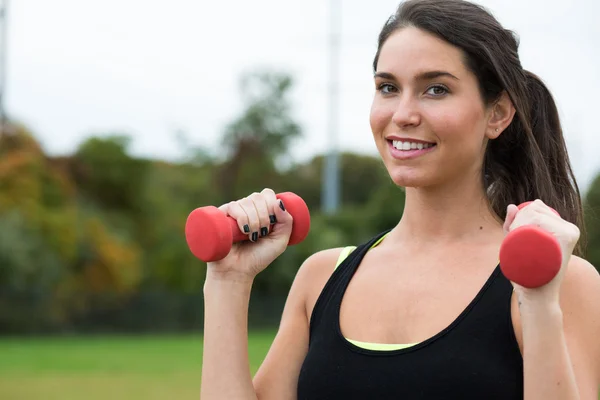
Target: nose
407 112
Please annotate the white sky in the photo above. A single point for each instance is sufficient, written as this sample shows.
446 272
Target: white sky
148 68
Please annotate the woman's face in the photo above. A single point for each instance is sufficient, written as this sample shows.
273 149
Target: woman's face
428 120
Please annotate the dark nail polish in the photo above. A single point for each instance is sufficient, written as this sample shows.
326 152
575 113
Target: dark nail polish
246 229
264 231
273 219
255 236
281 205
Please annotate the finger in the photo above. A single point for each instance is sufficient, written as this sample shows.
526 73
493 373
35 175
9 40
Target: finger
262 211
272 202
539 203
236 212
511 213
284 218
544 208
253 220
529 215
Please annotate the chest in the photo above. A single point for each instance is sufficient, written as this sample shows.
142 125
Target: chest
459 320
463 344
395 302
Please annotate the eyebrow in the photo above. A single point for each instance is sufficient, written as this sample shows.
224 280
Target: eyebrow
423 76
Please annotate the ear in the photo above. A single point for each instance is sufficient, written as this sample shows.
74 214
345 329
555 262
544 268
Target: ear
501 115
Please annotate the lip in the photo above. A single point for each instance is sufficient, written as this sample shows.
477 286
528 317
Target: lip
408 154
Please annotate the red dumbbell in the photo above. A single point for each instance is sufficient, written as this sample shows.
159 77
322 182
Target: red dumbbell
530 256
210 233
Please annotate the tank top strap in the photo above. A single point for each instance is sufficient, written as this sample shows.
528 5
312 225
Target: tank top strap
347 264
349 249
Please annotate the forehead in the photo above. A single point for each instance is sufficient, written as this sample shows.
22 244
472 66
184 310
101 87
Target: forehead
411 50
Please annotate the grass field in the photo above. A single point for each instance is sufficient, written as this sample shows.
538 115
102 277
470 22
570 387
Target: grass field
108 368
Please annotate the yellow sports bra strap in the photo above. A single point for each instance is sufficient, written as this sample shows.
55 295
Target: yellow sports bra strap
345 252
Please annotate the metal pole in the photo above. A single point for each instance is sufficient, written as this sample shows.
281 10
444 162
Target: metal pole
331 180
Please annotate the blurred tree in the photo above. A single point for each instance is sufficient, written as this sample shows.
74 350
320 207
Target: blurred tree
171 193
107 175
54 252
361 177
266 121
30 273
259 138
40 193
592 222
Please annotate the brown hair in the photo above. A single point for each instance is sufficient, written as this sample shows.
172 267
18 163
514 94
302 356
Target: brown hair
529 159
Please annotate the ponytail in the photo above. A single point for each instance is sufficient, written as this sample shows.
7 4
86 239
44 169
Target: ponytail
530 161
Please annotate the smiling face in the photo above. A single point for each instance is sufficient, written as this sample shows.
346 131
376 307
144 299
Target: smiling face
428 119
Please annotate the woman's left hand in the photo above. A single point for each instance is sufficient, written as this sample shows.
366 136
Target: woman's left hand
567 234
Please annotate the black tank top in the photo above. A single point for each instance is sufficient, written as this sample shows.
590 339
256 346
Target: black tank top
475 357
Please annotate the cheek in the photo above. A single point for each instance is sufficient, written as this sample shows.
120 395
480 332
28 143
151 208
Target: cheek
379 117
455 124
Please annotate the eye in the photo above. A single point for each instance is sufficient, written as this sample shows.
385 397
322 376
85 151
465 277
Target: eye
438 90
386 88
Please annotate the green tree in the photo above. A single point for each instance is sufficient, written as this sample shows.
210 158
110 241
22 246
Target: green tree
592 222
260 137
106 173
54 252
170 194
266 120
360 178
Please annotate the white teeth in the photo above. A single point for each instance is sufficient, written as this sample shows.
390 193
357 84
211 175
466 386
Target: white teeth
399 145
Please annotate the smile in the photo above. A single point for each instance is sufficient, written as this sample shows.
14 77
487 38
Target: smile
407 145
407 150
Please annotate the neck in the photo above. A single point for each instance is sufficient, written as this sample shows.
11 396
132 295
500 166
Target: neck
447 214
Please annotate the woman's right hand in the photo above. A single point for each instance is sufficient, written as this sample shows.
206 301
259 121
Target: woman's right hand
255 215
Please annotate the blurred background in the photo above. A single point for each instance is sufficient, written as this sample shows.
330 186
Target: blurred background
121 117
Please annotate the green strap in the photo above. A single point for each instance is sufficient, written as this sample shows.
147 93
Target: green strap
349 249
345 253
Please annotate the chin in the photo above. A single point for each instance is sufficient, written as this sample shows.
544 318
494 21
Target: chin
405 179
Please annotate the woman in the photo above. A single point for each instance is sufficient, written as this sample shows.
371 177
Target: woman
423 311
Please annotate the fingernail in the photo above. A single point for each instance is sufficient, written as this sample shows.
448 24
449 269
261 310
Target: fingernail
263 231
281 205
246 229
255 236
273 219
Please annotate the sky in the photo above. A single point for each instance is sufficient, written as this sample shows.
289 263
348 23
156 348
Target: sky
151 68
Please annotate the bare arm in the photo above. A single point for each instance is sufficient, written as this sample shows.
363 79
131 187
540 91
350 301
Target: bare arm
225 367
225 364
558 323
561 352
548 371
226 370
277 378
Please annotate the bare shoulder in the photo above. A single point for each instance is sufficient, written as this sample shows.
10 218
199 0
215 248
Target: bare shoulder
314 274
580 298
581 283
